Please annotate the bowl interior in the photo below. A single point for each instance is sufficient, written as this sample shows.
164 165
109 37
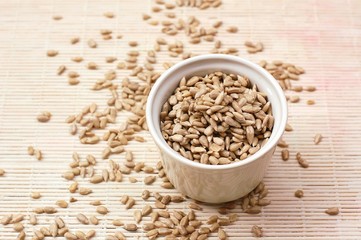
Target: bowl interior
205 64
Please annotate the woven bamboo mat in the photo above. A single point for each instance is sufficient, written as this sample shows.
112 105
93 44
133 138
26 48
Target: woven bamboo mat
322 36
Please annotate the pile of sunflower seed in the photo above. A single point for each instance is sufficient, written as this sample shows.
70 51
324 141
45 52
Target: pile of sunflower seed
216 119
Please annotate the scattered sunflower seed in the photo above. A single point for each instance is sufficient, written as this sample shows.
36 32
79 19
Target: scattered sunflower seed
288 128
38 154
92 43
6 219
194 206
294 99
35 195
137 215
130 227
285 154
82 218
85 191
44 116
61 69
310 88
57 17
74 40
332 211
257 231
52 53
18 227
299 193
109 15
94 220
311 102
102 210
232 29
149 180
317 138
303 162
133 43
62 203
222 234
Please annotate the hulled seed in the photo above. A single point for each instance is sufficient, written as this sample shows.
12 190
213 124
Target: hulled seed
85 191
145 194
234 103
133 43
17 218
102 210
38 154
299 193
52 53
222 234
232 29
31 150
159 204
82 218
317 138
94 220
130 227
90 234
310 88
61 69
311 102
130 203
6 219
288 127
62 203
53 229
44 116
332 211
294 99
137 215
167 185
96 179
118 222
32 219
194 206
303 162
109 15
149 180
92 43
285 154
21 236
257 231
57 17
35 195
74 40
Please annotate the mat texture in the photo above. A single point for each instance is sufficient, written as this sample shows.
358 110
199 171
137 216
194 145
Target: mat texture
324 37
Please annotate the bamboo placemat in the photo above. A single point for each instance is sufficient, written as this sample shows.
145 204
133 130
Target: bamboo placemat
321 36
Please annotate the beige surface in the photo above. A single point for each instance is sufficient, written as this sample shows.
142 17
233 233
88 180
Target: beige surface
322 36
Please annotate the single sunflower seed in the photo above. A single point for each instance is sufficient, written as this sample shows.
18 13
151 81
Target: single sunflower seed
332 211
92 43
52 53
44 116
102 210
82 218
130 227
35 195
299 193
257 231
285 154
317 138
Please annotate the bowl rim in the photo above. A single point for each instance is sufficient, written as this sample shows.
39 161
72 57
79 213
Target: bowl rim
165 147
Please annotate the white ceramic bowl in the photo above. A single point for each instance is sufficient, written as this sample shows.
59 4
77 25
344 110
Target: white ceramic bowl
215 183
